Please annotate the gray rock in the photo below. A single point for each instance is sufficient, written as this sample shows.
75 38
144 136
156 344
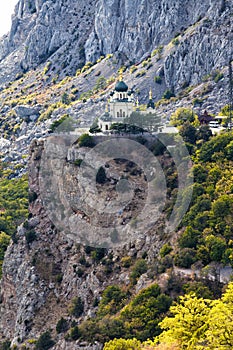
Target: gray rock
69 34
24 111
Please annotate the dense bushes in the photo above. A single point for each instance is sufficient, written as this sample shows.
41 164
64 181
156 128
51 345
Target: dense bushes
209 223
194 322
13 203
140 318
113 299
13 208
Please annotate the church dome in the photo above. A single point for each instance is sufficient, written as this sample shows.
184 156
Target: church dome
121 86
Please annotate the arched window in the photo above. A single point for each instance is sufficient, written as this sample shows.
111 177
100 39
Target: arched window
123 114
118 115
121 96
106 127
120 112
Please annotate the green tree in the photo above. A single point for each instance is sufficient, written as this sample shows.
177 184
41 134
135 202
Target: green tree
229 151
77 307
225 110
223 206
166 249
188 132
187 324
101 176
113 299
6 345
189 238
143 314
182 115
62 325
220 322
216 247
204 133
45 341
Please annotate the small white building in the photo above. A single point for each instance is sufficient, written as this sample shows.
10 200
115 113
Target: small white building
121 105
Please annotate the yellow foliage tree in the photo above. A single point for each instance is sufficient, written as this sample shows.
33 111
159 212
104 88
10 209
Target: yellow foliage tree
220 322
188 323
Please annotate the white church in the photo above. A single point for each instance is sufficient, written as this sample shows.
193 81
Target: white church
121 104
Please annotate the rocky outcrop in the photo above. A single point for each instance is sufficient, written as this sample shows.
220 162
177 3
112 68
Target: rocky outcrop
135 28
45 268
68 34
47 29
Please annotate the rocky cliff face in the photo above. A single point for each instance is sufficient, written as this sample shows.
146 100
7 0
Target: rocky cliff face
44 268
42 275
68 34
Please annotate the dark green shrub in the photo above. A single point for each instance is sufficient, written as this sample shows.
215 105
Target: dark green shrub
62 325
185 258
30 236
6 345
139 268
101 176
189 238
80 272
165 263
199 289
82 260
77 307
75 333
112 300
88 249
32 196
78 162
94 129
168 94
65 98
86 140
45 341
157 79
59 278
166 249
175 41
95 302
188 132
98 254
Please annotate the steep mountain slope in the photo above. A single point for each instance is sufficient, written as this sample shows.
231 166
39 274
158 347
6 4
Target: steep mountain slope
62 58
69 34
164 45
45 269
